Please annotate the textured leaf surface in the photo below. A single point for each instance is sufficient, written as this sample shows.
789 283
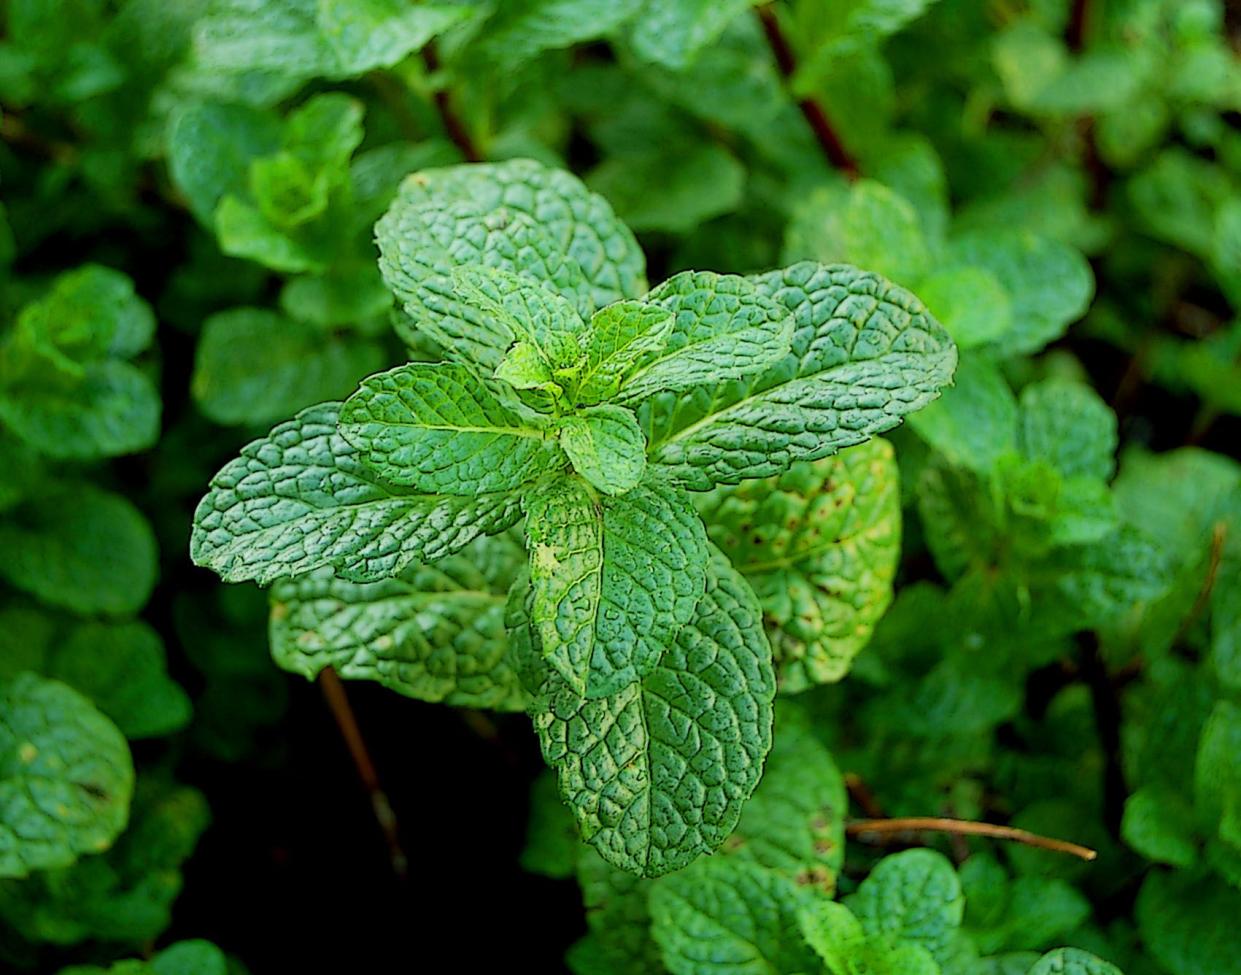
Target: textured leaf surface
254 366
606 446
572 234
436 428
727 916
819 544
614 579
521 29
1070 427
66 777
80 548
619 916
672 32
840 940
795 821
657 773
974 422
621 335
1049 283
1072 961
723 328
865 353
301 498
912 896
435 632
125 894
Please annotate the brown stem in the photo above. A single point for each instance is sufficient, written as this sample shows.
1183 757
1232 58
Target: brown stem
833 149
965 827
861 794
443 104
342 711
1078 25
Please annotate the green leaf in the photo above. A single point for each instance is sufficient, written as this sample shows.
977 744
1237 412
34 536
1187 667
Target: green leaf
864 224
795 821
619 916
723 328
606 446
614 579
672 188
1070 427
974 422
66 777
819 544
671 33
553 847
657 773
1072 961
838 938
1217 775
522 216
865 353
1187 923
182 958
77 547
110 409
90 313
912 896
522 29
367 34
724 915
210 147
125 894
621 336
437 428
435 632
1049 283
971 303
254 366
122 669
1159 824
301 498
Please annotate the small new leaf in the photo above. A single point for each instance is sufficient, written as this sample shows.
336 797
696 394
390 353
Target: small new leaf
606 446
621 336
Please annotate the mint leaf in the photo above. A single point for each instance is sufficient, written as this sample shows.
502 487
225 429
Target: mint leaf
614 579
865 353
125 894
621 336
819 544
301 498
795 821
182 958
970 302
437 428
865 224
1049 283
724 327
657 773
840 941
1070 427
1159 824
1072 961
606 446
435 632
727 915
580 233
521 29
671 33
1187 923
254 366
912 896
553 847
66 777
619 916
87 550
974 422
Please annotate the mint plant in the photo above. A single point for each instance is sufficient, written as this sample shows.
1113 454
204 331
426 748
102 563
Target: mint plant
573 343
593 421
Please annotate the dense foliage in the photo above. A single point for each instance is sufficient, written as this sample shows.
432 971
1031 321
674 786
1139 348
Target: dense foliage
818 417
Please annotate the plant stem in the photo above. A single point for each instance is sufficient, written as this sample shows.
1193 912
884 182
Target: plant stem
833 149
342 711
965 827
443 104
1078 25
